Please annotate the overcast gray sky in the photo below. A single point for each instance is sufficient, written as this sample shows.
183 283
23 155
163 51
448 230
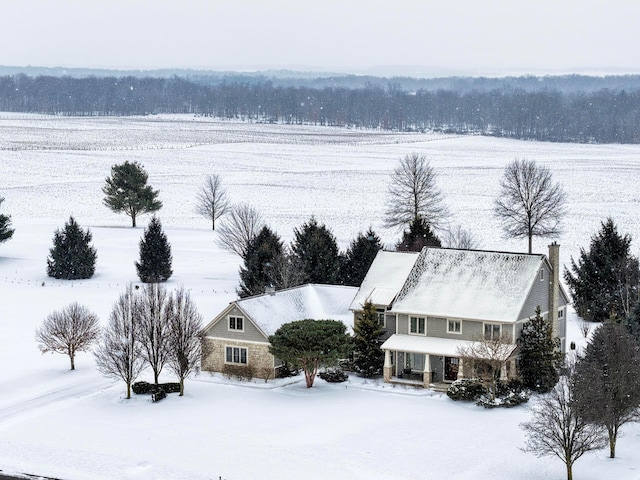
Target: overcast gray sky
467 36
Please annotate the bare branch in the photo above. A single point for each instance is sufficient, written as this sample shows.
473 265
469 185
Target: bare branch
239 228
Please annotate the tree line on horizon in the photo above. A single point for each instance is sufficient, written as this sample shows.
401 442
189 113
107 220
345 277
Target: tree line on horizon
601 116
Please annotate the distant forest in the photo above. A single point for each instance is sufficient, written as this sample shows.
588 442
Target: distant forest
560 109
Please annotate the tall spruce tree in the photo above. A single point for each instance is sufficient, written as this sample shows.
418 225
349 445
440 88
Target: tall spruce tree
72 257
607 384
260 263
606 279
418 236
6 232
540 355
316 253
155 254
359 257
367 339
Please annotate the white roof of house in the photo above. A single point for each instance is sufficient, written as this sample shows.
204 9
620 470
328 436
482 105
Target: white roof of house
446 347
318 302
469 284
385 278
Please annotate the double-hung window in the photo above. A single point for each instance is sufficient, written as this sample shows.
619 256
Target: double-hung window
236 323
380 316
417 325
492 331
237 355
454 326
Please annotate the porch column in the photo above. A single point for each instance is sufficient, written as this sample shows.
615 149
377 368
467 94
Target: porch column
460 369
426 376
387 369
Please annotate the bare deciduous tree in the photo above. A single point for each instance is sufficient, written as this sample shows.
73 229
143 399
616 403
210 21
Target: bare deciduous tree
119 353
241 226
486 358
212 201
458 237
285 271
70 330
185 336
152 325
530 204
557 429
413 194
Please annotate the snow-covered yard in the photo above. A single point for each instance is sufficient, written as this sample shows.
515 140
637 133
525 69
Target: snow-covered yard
77 425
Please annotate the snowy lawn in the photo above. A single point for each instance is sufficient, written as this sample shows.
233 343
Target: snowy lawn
77 425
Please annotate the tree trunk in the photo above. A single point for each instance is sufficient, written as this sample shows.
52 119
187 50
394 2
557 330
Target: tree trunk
155 377
530 243
128 390
73 364
213 223
569 469
612 444
181 387
133 221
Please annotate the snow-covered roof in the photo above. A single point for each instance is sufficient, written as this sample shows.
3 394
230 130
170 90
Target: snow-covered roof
447 347
469 284
318 302
385 278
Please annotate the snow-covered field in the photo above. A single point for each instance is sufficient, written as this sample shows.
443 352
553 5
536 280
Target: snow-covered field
77 425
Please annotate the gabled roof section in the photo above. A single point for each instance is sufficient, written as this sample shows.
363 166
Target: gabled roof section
474 284
385 278
318 302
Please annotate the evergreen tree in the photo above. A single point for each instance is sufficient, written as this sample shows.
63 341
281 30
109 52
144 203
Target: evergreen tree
632 322
316 253
126 190
606 279
607 385
418 236
540 355
359 257
259 263
72 257
155 254
6 232
368 356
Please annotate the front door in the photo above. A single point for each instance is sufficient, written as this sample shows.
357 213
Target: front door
451 365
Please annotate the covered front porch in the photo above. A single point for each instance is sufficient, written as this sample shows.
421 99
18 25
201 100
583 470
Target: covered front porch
423 361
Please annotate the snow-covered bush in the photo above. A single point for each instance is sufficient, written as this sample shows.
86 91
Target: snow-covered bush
508 394
333 375
467 389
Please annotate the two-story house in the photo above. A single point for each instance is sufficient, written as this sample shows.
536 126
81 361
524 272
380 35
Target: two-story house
433 304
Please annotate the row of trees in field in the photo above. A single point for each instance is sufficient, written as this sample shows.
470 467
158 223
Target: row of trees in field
604 116
148 328
73 257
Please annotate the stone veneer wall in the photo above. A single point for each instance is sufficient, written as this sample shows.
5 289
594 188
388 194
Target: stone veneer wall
258 357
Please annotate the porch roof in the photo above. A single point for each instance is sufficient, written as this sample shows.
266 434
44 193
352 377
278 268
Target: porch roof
446 347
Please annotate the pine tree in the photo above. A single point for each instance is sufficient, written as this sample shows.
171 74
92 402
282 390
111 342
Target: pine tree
540 355
126 190
368 356
155 254
359 257
259 263
6 232
418 236
606 279
316 253
72 257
